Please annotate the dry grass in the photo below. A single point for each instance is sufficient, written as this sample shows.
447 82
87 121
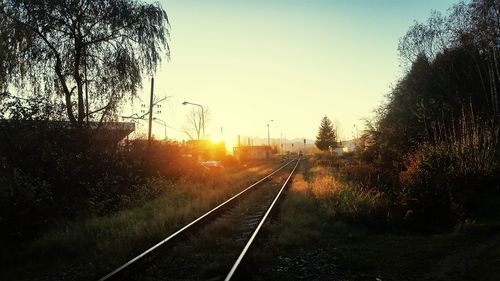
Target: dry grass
470 142
310 236
325 184
89 248
337 199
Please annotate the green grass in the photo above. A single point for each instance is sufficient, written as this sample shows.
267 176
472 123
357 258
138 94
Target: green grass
89 248
310 233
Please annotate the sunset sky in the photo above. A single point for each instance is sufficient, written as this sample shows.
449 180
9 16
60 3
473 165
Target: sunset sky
292 61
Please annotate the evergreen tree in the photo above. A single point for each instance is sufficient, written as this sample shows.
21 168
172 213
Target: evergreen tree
326 137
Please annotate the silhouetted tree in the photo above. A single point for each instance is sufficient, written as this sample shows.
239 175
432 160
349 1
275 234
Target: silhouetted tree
437 137
195 122
326 137
73 48
466 40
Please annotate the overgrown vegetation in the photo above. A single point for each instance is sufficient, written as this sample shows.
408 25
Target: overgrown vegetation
50 173
65 68
433 147
88 248
331 229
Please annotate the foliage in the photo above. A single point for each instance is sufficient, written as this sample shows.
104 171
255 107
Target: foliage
326 138
104 180
435 140
66 49
470 31
338 199
442 178
25 204
92 246
39 107
310 236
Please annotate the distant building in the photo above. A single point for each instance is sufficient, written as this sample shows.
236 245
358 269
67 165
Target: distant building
205 149
349 145
247 153
345 146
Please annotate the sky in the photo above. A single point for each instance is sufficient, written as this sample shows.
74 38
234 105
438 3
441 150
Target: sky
291 61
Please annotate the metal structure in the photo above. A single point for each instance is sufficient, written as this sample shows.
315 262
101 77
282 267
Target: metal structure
238 261
115 274
164 124
268 135
150 113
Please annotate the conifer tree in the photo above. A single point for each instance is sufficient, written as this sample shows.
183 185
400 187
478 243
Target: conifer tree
326 137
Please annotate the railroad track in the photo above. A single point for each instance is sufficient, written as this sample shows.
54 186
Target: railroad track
187 254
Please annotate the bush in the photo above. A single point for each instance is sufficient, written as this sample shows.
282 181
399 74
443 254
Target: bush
26 203
345 202
442 178
81 177
429 188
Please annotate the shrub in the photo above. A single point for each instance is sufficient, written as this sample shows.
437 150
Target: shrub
345 202
442 177
81 177
26 203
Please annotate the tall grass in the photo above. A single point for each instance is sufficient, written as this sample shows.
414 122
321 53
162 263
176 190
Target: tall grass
338 199
89 248
471 141
443 176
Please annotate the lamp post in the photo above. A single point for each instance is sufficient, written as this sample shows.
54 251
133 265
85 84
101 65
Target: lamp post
164 124
202 115
268 135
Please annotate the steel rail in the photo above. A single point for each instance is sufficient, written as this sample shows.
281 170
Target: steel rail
257 229
183 229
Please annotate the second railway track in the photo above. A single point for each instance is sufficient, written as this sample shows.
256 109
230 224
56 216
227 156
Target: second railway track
212 246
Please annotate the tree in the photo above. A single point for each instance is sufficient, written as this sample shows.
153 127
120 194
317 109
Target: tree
471 31
90 54
326 137
195 122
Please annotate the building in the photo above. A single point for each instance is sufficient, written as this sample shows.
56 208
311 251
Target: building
345 147
248 153
30 132
205 149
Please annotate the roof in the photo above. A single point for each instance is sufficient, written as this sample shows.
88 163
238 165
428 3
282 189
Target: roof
114 131
257 147
123 126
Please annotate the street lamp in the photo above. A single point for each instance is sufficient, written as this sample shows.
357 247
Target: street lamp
202 115
162 122
268 136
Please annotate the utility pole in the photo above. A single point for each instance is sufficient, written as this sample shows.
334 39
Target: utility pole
281 143
150 115
268 135
87 89
268 139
